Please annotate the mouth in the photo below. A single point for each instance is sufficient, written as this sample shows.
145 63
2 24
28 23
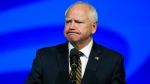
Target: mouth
72 33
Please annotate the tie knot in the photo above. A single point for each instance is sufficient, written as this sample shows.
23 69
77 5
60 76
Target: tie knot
80 53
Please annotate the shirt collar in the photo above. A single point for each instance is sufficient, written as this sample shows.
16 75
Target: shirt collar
86 50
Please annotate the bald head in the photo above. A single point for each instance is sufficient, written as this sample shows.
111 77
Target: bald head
89 9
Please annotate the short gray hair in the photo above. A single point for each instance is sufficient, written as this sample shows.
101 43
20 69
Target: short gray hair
92 13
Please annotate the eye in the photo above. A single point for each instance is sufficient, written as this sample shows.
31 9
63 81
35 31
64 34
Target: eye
68 21
78 21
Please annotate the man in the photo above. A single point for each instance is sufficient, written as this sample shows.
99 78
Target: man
99 64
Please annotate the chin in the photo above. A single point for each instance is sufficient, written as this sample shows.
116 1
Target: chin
72 40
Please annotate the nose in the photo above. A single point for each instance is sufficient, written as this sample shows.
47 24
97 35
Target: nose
72 25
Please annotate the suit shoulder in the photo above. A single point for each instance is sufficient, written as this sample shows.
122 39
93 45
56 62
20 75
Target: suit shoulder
49 49
109 51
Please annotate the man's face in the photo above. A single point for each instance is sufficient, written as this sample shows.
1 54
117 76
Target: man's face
78 26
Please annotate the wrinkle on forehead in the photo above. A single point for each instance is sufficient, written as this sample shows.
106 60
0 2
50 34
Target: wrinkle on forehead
78 11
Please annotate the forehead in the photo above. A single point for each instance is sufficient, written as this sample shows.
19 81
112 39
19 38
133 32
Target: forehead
78 11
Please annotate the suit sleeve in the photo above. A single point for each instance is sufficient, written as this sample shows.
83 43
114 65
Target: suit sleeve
119 72
35 75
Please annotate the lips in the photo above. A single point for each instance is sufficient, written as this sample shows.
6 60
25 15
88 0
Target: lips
72 33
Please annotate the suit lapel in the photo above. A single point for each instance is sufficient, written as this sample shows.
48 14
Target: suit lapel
94 60
63 63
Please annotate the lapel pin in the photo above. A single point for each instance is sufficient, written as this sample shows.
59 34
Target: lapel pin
97 58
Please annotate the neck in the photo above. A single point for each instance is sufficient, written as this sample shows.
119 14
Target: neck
81 44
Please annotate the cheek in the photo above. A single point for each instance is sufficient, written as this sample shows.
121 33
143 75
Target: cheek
87 30
65 29
84 32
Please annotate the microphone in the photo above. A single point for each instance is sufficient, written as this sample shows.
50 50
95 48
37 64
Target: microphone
74 56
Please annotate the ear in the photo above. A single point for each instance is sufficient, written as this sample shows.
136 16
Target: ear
94 27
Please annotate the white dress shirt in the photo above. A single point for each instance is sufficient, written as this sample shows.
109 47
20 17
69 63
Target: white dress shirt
86 52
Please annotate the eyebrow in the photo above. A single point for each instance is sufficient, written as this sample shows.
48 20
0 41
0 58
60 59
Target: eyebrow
67 19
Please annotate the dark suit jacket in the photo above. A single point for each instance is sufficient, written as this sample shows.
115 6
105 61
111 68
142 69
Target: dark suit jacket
51 66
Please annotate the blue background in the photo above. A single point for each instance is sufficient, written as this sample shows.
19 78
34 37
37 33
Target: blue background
27 25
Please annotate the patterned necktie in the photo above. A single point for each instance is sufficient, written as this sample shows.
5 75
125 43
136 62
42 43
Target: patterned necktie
79 70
